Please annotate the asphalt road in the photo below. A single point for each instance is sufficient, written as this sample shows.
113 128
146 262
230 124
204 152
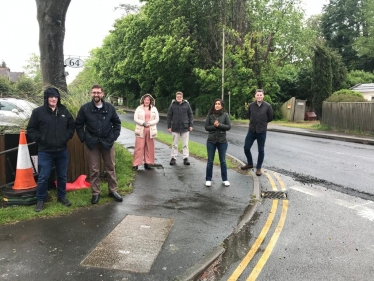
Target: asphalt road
338 165
327 230
326 235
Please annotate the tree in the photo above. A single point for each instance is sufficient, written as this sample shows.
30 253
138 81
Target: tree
355 77
342 23
51 18
365 43
6 88
322 78
3 64
32 67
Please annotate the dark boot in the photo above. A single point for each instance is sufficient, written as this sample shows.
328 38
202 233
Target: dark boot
95 199
39 206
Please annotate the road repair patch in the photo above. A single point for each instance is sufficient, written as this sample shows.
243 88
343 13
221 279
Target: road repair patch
133 245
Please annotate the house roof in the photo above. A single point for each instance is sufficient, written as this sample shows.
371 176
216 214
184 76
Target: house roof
363 88
12 76
4 71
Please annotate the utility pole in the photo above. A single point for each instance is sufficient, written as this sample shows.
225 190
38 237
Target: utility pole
223 61
229 102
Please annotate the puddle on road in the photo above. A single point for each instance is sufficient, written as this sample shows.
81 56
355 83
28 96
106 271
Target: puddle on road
236 247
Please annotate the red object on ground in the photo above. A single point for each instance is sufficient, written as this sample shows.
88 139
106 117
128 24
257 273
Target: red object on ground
79 183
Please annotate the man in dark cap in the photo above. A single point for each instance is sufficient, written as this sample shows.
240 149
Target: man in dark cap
51 126
99 126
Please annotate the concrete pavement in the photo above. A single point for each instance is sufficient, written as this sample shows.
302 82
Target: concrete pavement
97 243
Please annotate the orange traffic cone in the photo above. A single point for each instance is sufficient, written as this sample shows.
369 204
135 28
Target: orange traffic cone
24 173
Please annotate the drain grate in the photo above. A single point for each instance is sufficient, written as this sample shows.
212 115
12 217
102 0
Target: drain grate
274 194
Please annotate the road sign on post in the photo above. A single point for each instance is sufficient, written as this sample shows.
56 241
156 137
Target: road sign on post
74 62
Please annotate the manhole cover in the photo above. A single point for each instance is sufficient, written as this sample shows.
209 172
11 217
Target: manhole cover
274 194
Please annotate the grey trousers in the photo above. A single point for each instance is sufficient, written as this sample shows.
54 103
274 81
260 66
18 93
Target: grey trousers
174 149
94 158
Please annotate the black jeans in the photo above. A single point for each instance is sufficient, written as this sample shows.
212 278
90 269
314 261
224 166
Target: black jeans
250 138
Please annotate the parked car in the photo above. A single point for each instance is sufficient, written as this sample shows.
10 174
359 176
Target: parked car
15 112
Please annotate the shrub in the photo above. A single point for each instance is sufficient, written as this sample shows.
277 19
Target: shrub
345 98
348 92
346 95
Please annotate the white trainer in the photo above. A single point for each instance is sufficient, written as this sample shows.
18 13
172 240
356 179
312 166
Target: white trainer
226 183
208 183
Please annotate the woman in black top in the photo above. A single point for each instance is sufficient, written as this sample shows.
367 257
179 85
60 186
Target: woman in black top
217 123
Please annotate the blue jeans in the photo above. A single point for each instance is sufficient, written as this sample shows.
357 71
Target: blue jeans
45 161
211 149
250 138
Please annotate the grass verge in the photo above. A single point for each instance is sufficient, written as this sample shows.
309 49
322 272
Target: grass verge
79 198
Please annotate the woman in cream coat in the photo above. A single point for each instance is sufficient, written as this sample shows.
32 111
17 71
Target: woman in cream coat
146 117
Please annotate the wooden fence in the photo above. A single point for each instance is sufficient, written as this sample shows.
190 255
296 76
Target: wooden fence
349 116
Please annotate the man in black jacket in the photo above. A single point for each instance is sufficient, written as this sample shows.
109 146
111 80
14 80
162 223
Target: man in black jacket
98 125
51 126
260 114
180 123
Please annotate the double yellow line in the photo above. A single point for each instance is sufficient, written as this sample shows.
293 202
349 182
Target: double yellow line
265 256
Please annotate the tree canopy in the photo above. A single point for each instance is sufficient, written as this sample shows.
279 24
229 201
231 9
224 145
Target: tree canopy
171 45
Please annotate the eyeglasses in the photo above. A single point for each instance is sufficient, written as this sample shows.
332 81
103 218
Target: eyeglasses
96 93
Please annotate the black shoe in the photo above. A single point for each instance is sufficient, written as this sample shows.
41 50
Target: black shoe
172 161
64 201
185 161
134 168
116 196
39 206
95 199
246 167
147 166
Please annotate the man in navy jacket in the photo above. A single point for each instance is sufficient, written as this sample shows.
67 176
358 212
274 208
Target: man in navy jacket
98 125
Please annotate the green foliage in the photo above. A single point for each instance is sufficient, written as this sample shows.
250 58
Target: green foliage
345 98
203 103
27 88
356 77
339 71
346 95
365 43
6 89
343 22
33 70
85 79
322 77
182 50
304 83
348 92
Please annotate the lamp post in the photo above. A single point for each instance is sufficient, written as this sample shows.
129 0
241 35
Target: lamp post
223 61
229 101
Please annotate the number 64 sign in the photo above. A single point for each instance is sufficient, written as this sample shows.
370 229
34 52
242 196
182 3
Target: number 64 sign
74 62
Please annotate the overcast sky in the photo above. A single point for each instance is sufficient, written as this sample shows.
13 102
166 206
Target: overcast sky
87 24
